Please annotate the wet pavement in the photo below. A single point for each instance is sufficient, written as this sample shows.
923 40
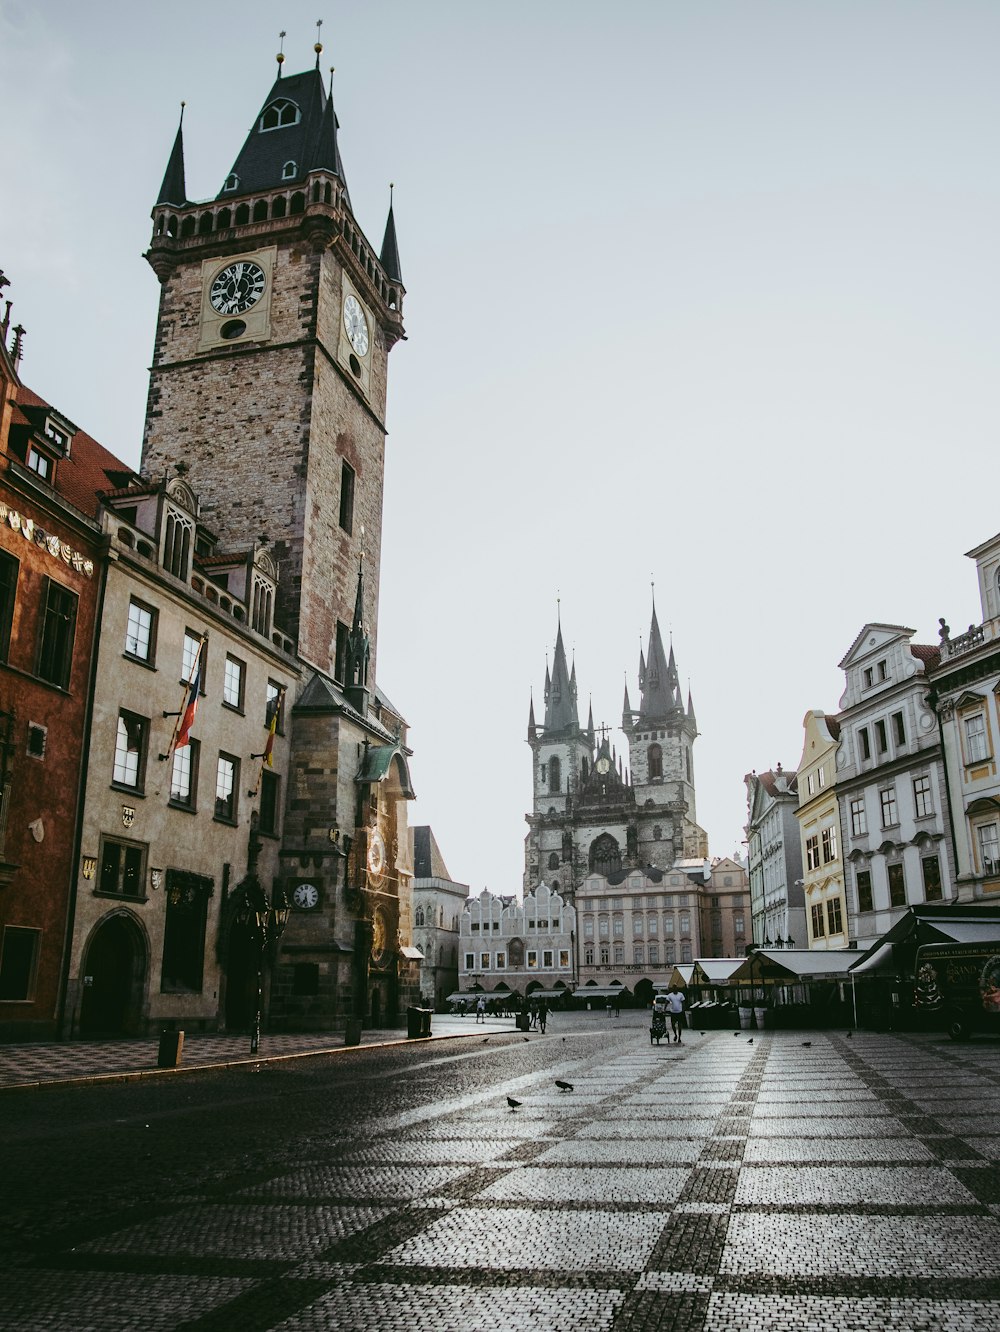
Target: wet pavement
718 1185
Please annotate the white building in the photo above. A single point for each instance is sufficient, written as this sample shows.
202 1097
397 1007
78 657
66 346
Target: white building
523 948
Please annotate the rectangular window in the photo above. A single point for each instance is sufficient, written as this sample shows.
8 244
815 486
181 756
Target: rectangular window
232 685
685 923
470 962
859 817
637 927
897 886
654 955
881 738
810 784
883 670
588 927
975 738
347 497
829 845
9 567
652 925
685 952
532 960
40 463
619 927
226 783
668 924
738 925
57 629
123 868
899 727
818 922
189 655
637 954
619 954
812 852
184 775
604 929
131 742
869 677
887 800
274 692
340 661
184 933
864 883
18 963
484 961
139 632
563 958
864 742
547 958
834 916
821 775
605 955
501 961
922 797
270 807
989 847
931 867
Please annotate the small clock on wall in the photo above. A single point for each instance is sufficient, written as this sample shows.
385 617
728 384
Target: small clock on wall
357 335
356 325
236 299
305 896
376 856
603 765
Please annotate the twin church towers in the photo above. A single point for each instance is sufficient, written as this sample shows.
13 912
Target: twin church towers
590 815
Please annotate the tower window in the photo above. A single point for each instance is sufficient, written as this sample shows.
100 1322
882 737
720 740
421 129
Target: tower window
289 171
654 758
40 463
555 775
347 497
278 114
232 182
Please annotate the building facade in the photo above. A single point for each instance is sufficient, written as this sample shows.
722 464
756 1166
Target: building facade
774 859
725 910
891 782
523 948
589 814
820 837
966 693
438 904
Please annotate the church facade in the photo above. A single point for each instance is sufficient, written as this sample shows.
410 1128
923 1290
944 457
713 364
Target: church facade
591 813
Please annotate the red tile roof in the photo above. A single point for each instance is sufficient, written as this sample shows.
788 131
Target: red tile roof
90 467
929 654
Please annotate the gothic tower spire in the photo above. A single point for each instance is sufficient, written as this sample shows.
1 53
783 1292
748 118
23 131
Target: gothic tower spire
173 191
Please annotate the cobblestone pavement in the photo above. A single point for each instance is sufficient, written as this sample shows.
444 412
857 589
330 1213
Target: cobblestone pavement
718 1185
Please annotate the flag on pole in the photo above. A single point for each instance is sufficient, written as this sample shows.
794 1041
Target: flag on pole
191 700
269 746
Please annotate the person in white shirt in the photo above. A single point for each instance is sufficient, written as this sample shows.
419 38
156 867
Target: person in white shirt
675 1002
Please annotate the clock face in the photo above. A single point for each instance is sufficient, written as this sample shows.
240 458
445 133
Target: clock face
356 325
603 765
237 288
306 896
376 853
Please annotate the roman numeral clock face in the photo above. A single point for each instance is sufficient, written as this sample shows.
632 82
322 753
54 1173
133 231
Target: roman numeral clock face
237 288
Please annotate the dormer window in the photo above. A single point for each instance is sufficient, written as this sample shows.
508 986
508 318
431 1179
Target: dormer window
279 114
58 437
289 171
232 182
39 463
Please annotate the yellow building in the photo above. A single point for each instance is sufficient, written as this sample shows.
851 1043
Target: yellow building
819 830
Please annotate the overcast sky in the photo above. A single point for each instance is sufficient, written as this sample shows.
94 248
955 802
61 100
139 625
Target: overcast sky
704 293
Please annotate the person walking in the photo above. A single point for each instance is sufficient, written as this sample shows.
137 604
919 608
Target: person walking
675 1003
481 1009
543 1014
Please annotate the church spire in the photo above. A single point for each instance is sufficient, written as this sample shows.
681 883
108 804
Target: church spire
358 650
532 728
389 257
173 190
659 685
560 699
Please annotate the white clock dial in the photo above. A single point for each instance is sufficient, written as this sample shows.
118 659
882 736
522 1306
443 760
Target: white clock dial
376 853
356 325
237 287
305 896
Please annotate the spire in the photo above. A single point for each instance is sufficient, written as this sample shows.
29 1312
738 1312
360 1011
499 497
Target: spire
389 257
532 728
358 650
173 190
560 701
590 725
626 708
690 706
660 689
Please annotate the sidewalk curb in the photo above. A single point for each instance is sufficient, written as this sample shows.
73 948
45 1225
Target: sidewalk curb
136 1075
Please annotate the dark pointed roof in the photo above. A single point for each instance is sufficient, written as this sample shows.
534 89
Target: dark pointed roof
389 257
173 190
560 693
311 142
658 683
428 862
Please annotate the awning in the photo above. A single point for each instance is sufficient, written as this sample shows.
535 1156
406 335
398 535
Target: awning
548 994
716 970
783 965
414 954
600 991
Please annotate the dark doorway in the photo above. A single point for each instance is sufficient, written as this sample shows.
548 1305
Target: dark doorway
241 979
644 992
113 973
376 1008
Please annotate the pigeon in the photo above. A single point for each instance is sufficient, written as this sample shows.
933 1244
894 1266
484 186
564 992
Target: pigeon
564 1086
807 1044
512 1103
485 1039
736 1033
749 1040
850 1034
701 1033
524 1038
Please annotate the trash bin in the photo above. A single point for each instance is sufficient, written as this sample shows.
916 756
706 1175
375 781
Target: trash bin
352 1031
425 1021
523 1021
745 1014
171 1049
418 1023
759 1017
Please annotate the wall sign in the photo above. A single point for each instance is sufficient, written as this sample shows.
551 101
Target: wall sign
44 541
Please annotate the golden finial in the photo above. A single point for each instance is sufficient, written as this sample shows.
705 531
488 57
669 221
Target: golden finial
280 57
318 48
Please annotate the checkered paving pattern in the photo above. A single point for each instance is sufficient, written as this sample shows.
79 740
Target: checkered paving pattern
719 1187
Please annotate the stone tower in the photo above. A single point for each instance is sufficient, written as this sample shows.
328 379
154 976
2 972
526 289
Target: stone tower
268 381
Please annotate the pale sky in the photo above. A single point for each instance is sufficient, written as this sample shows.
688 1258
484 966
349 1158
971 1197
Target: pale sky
704 293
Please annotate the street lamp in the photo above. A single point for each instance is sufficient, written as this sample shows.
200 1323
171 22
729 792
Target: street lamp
264 920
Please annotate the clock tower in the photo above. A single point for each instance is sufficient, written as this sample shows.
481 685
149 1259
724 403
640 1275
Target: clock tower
268 381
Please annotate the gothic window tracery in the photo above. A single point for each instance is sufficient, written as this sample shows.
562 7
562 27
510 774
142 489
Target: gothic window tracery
555 775
278 114
605 855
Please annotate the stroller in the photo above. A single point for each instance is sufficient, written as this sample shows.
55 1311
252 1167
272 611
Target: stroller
658 1025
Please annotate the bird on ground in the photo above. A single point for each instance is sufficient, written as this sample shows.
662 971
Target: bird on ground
524 1038
485 1039
564 1086
512 1103
850 1034
749 1040
736 1033
807 1044
701 1033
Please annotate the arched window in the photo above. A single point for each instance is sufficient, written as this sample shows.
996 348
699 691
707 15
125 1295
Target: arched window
687 764
555 775
418 916
516 951
289 171
605 857
278 114
232 183
553 861
177 545
654 760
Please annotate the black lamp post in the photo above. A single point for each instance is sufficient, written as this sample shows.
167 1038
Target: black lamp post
264 920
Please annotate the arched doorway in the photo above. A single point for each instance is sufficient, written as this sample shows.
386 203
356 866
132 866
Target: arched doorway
241 978
644 992
114 969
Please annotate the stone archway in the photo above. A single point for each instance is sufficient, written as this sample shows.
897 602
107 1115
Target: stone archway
113 975
644 992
